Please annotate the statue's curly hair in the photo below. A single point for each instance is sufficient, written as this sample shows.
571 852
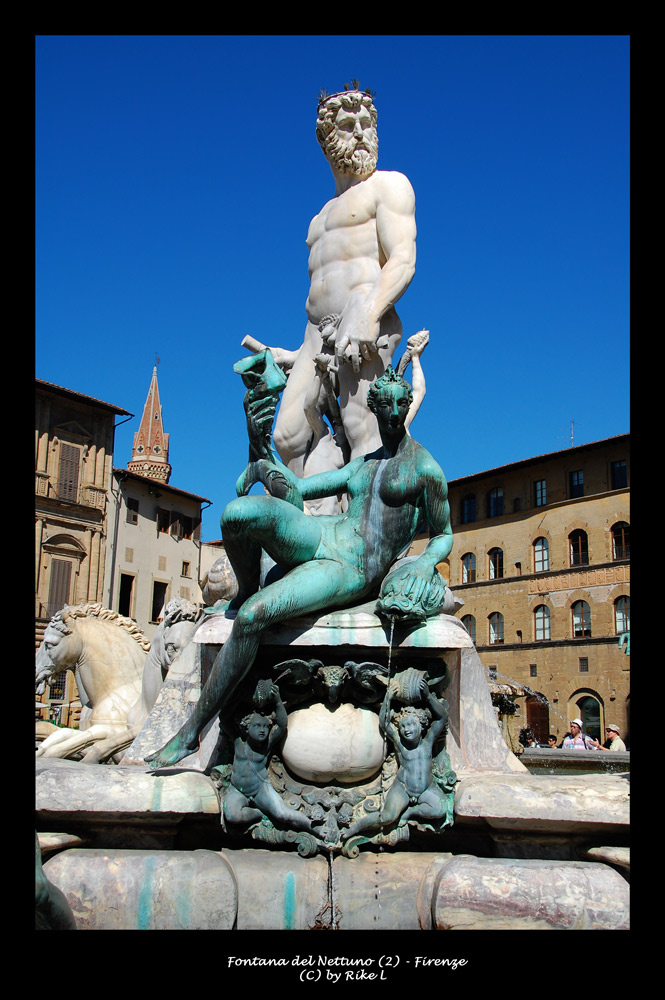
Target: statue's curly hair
389 377
422 715
329 105
244 723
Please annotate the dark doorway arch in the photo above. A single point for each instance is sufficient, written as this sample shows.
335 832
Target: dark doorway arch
591 715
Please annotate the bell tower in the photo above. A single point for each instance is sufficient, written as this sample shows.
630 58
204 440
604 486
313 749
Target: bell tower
150 454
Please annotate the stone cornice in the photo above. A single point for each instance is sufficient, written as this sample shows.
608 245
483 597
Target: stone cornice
568 578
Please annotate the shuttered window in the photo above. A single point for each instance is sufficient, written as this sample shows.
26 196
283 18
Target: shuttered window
59 584
132 516
68 473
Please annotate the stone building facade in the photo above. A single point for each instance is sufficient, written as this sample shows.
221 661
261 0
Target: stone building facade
541 560
154 547
73 461
154 538
74 457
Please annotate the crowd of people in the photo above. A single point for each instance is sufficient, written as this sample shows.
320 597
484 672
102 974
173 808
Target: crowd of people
575 739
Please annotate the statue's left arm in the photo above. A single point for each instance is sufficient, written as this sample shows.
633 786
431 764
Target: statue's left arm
416 577
385 725
437 511
439 710
396 234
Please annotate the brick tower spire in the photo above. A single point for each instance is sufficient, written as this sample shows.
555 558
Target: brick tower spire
150 454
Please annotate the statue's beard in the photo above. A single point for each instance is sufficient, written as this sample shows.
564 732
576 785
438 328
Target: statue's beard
346 156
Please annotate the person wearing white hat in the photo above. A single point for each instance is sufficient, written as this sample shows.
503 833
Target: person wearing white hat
613 734
576 739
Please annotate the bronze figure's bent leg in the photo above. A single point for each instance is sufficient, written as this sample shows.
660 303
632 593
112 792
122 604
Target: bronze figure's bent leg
252 523
311 586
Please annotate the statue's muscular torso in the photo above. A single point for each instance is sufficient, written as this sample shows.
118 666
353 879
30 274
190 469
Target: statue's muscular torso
386 505
345 257
359 237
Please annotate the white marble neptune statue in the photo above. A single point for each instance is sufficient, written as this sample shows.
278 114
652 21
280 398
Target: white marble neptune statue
362 256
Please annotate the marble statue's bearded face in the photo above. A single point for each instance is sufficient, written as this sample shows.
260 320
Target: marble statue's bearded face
348 137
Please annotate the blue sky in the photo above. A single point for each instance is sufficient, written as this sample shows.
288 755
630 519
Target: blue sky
176 177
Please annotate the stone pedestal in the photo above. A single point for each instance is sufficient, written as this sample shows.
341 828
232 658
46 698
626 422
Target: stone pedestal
125 868
474 740
175 703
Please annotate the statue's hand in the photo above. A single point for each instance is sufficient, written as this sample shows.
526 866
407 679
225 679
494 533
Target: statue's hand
259 412
275 694
41 679
246 480
281 483
413 590
418 342
356 337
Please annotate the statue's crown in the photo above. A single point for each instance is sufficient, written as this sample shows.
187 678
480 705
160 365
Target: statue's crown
389 377
352 88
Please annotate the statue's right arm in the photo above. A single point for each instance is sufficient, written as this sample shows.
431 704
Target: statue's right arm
385 725
284 484
328 484
395 207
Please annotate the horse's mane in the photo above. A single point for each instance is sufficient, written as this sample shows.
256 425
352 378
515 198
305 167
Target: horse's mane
98 611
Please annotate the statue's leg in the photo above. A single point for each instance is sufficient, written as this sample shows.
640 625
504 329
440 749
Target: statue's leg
237 810
276 810
360 426
292 433
395 802
431 806
245 559
314 585
252 523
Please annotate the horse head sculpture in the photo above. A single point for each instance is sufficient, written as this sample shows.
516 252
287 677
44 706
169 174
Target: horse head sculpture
107 654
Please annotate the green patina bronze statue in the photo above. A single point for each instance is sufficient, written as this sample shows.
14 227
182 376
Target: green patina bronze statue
415 793
330 561
251 794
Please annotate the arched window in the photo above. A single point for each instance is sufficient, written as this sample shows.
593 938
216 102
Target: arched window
495 564
622 615
495 502
620 540
541 555
542 622
469 623
66 555
581 614
468 568
496 627
579 548
468 509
